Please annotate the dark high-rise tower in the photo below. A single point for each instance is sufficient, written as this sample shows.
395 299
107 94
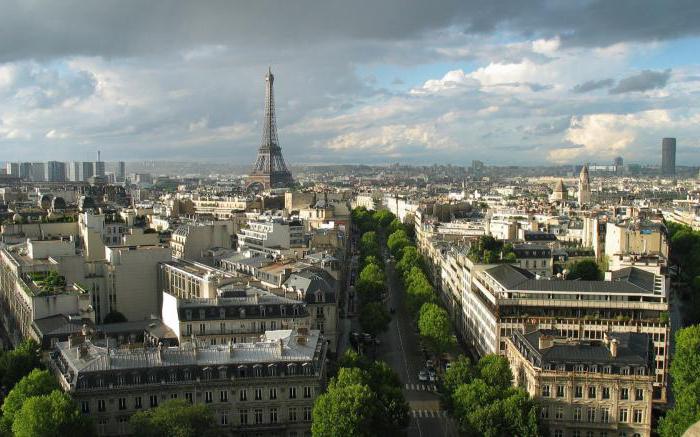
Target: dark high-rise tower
668 156
269 170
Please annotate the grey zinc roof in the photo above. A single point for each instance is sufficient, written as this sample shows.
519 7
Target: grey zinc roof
100 358
628 280
633 349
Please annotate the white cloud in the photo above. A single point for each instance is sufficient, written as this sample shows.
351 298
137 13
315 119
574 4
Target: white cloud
605 136
386 140
546 46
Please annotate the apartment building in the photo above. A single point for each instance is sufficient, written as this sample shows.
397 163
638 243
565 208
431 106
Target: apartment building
267 387
505 299
586 388
191 241
32 289
271 237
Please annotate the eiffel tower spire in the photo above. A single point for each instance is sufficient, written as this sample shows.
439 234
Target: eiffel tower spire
269 169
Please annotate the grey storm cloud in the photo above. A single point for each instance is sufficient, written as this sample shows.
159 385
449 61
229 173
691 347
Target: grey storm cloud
592 85
129 27
644 81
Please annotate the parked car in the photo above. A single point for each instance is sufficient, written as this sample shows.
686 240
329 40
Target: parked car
423 376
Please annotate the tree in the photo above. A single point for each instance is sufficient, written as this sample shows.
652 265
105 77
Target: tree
36 383
175 417
684 413
369 291
484 410
374 318
434 326
686 360
395 225
397 241
460 372
17 363
347 408
409 258
585 270
372 273
52 415
114 317
369 245
495 371
383 218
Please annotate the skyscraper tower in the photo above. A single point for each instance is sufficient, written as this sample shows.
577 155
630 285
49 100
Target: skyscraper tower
269 170
668 156
584 187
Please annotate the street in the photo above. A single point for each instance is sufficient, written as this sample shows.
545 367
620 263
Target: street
400 348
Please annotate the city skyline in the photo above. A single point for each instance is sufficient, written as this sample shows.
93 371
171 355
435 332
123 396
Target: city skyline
413 84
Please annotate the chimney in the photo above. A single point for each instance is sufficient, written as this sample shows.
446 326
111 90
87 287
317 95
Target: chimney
230 348
160 351
281 347
613 348
545 342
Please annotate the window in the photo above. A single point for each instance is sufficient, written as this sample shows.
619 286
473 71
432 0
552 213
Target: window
578 391
623 415
307 392
85 407
307 414
292 392
545 391
224 418
625 371
154 401
604 415
122 403
590 414
258 394
591 392
273 393
244 417
558 433
638 416
243 395
223 396
273 415
624 394
639 394
544 412
575 433
577 414
207 397
606 392
101 405
258 414
188 397
202 329
188 329
292 414
137 403
559 414
560 391
173 395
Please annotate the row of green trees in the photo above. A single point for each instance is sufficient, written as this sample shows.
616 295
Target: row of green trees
434 325
685 384
685 254
371 282
364 399
484 402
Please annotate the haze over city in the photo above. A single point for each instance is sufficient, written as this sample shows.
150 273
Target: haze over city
357 82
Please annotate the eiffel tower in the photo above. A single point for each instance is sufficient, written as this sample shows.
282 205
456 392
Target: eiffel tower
269 170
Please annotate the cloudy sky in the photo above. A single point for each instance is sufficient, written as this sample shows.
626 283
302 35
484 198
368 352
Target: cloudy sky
361 81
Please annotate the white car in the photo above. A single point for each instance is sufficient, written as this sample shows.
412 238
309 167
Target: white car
423 376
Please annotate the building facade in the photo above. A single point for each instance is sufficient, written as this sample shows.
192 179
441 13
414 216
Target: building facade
599 388
263 388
